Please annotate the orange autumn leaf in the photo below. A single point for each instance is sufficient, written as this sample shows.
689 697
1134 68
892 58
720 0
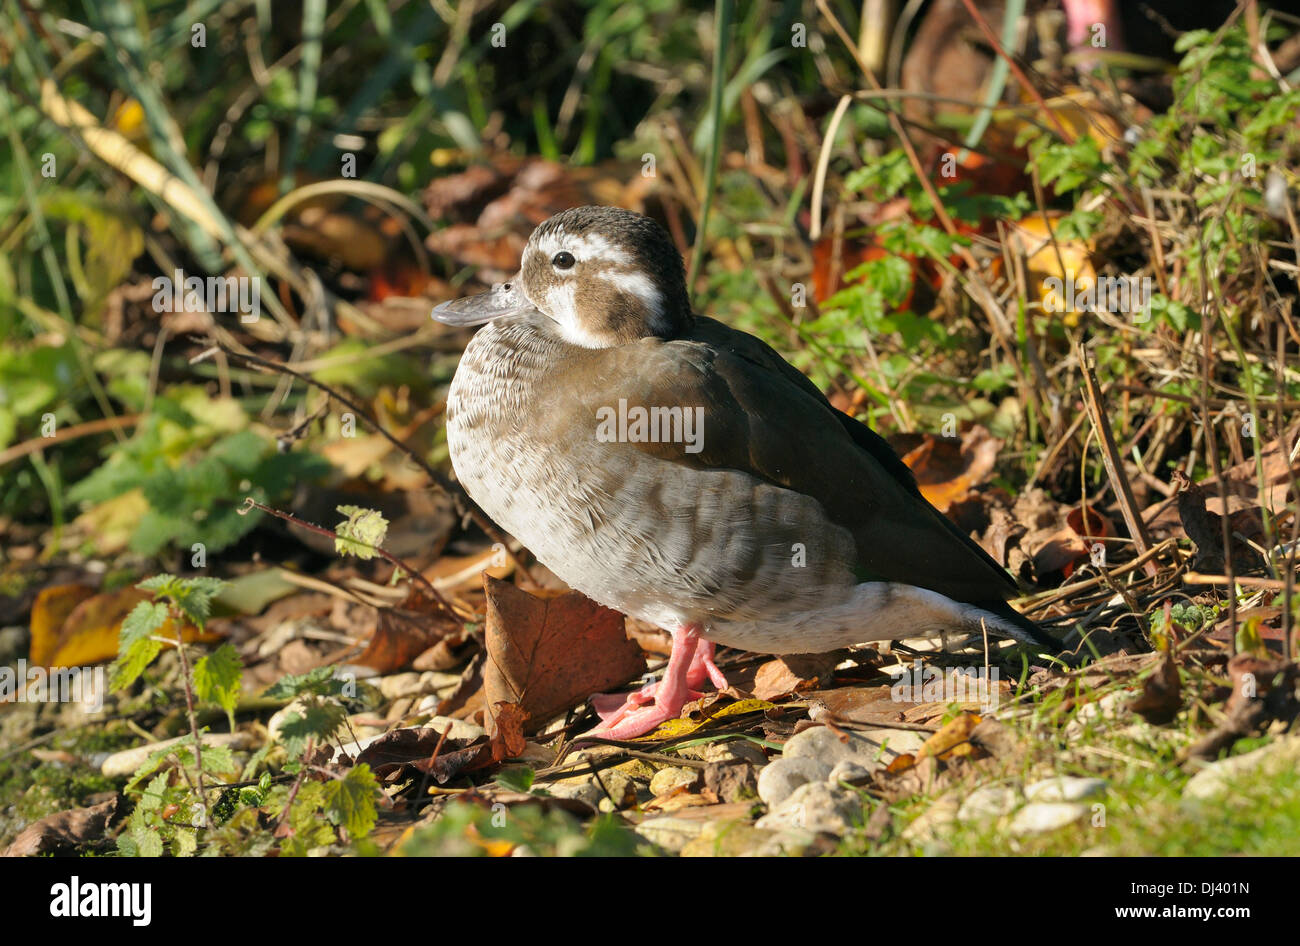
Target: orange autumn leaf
89 633
50 609
946 470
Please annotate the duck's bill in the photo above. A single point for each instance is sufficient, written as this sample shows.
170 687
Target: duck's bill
501 300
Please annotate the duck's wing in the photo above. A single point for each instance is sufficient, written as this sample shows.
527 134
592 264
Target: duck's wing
763 417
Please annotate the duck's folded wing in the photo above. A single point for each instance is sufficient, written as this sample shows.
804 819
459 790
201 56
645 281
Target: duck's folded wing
762 417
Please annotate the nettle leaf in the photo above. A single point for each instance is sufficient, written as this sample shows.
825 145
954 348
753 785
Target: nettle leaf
185 842
350 801
193 596
311 831
1182 318
361 533
136 647
219 760
891 275
151 799
883 177
278 472
320 681
217 679
145 840
318 721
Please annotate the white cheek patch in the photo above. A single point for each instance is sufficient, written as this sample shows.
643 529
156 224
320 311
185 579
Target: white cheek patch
642 287
564 313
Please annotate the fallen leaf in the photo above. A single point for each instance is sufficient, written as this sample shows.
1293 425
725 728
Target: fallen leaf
901 763
1161 697
676 728
947 469
449 652
64 832
1051 263
793 673
548 654
49 611
396 755
404 632
88 635
1205 528
505 726
952 740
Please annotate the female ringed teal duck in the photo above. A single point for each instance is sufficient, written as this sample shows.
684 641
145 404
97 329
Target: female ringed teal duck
747 511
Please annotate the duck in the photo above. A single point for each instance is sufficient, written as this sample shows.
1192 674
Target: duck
682 472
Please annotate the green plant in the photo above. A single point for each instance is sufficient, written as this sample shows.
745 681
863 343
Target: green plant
189 463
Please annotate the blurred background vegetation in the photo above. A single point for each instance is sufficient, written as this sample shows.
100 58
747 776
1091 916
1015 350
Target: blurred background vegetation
365 159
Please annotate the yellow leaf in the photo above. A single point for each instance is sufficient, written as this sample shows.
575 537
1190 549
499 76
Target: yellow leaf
674 728
89 634
952 740
50 609
1045 258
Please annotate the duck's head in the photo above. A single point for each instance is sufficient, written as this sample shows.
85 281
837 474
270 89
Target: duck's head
604 276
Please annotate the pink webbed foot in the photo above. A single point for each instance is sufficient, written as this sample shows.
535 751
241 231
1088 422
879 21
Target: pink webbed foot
690 665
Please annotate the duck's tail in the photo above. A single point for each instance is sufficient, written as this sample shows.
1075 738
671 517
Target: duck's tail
1008 622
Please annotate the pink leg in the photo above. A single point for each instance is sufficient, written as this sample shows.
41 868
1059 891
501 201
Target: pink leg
639 715
1082 17
703 667
613 706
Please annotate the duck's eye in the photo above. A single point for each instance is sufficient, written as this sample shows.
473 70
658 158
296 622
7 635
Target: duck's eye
563 260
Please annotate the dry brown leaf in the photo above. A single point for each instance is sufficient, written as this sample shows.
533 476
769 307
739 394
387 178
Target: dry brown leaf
947 469
64 832
403 633
506 729
793 673
1161 697
549 654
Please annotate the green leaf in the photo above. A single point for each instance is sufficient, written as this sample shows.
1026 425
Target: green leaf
319 721
147 842
136 648
517 778
193 596
350 801
217 679
219 760
361 533
185 842
321 681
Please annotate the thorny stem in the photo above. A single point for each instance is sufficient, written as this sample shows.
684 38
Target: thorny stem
189 708
251 503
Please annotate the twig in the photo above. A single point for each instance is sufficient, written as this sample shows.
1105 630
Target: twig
37 444
464 505
194 725
1110 456
250 503
1270 584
